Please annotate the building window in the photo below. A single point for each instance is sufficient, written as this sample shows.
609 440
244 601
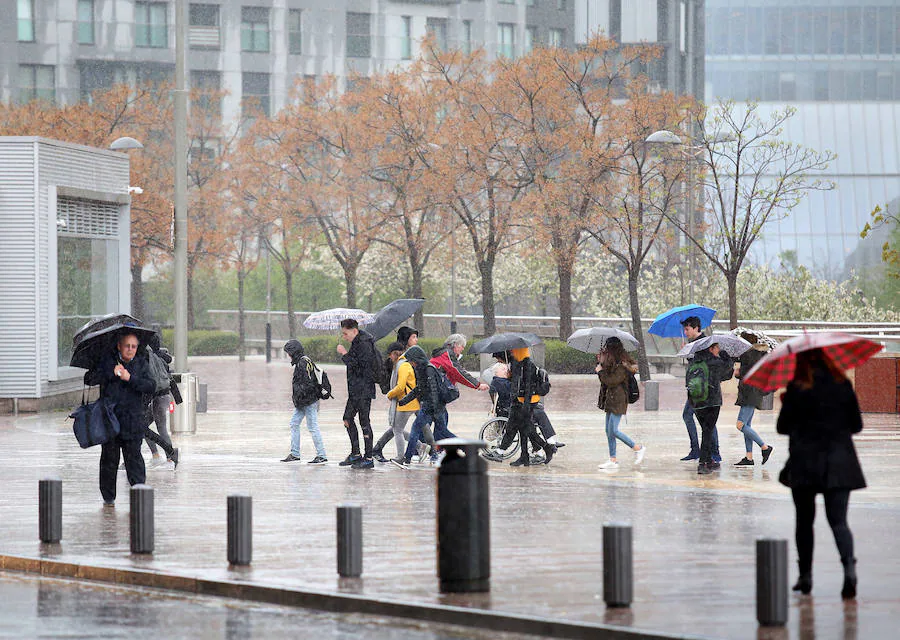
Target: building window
530 3
506 39
209 86
26 20
406 38
507 1
530 38
437 27
556 37
84 26
254 93
255 29
150 25
467 36
295 31
886 29
37 82
359 35
561 5
615 20
204 26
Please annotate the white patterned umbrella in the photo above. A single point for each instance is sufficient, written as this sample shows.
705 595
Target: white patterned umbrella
760 336
330 319
732 345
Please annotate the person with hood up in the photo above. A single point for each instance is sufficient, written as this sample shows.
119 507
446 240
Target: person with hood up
749 399
431 408
305 393
159 410
716 366
523 381
361 361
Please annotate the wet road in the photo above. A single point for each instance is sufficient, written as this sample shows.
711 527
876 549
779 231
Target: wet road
694 537
34 607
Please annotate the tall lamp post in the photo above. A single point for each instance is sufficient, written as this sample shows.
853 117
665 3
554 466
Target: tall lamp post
181 220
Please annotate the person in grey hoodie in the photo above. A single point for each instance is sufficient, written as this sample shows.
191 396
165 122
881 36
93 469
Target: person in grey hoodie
306 391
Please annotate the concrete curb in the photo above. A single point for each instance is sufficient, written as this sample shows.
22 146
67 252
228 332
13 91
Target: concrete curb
332 602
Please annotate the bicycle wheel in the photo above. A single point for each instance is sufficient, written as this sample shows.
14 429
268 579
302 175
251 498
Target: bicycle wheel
492 432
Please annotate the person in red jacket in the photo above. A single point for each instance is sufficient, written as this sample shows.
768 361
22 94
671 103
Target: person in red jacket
446 357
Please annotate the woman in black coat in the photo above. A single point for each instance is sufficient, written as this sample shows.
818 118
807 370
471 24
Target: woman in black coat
820 413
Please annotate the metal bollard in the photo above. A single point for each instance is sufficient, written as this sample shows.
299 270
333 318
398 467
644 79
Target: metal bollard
141 519
240 529
463 518
651 395
50 509
771 582
349 541
618 571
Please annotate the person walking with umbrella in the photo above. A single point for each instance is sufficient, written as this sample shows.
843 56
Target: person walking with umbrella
361 360
692 333
749 399
125 382
709 366
613 368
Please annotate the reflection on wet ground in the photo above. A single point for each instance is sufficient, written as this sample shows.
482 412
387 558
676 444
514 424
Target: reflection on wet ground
693 537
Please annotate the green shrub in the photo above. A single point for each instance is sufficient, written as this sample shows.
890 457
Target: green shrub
561 358
205 342
322 349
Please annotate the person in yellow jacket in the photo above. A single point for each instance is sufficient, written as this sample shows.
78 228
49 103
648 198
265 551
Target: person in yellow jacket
523 381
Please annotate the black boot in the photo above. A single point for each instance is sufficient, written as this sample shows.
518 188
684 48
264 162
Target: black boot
549 450
523 461
848 592
804 583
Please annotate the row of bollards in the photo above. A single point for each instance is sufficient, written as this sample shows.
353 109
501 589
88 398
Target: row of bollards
463 532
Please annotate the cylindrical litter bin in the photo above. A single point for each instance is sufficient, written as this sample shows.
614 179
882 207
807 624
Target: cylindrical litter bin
184 418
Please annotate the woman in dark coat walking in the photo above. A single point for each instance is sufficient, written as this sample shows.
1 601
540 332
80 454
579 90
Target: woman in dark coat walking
820 413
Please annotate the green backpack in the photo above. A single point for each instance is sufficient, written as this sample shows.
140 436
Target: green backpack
697 381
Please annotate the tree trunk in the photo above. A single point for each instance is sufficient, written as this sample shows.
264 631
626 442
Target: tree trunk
643 364
242 347
564 272
486 269
137 291
417 278
289 293
731 278
350 282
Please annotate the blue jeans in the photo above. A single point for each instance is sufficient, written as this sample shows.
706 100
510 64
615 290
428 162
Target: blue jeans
424 419
688 416
612 432
311 413
745 415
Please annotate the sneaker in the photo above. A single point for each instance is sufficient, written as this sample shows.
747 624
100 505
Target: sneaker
155 461
693 455
403 463
363 463
609 465
109 504
493 456
318 460
639 455
716 458
349 460
744 462
122 467
703 469
766 453
536 459
376 455
174 458
292 458
715 466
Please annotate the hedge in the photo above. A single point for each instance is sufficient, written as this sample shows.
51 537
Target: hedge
205 342
561 358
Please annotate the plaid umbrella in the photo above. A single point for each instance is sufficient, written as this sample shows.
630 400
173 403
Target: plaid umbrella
330 319
776 370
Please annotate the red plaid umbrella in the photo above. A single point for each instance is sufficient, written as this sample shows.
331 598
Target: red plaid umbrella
776 370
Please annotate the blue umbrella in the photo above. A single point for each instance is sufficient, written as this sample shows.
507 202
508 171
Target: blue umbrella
668 323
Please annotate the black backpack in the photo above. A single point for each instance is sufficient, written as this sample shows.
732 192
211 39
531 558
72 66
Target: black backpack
542 387
381 372
634 391
446 390
319 379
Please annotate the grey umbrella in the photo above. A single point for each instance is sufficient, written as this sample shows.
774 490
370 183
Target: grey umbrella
392 315
505 342
592 340
732 345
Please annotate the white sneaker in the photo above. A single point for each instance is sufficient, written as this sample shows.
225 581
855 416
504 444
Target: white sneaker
609 465
639 455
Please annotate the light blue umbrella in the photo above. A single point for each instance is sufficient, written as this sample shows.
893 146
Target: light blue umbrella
668 323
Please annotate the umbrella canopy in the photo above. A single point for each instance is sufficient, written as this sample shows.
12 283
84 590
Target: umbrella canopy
668 323
330 319
94 345
109 320
761 337
392 315
593 340
777 368
505 342
732 345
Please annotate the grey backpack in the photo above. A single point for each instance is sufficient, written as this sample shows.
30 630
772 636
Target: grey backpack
159 372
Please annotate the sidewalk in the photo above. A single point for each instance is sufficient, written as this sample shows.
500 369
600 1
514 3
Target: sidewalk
693 537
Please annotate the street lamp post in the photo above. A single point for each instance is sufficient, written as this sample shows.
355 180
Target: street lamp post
181 221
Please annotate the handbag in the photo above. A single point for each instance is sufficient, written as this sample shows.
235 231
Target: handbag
95 422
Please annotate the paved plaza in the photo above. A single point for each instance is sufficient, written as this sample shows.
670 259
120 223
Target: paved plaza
693 536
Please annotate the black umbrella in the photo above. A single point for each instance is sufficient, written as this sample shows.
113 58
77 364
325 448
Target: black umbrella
505 342
109 320
94 345
392 315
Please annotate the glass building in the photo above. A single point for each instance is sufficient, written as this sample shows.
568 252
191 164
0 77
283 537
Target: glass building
838 63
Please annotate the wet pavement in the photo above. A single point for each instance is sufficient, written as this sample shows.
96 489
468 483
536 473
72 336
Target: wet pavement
693 537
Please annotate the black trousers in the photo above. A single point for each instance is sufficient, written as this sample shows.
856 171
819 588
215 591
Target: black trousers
109 465
521 421
836 501
360 407
707 418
